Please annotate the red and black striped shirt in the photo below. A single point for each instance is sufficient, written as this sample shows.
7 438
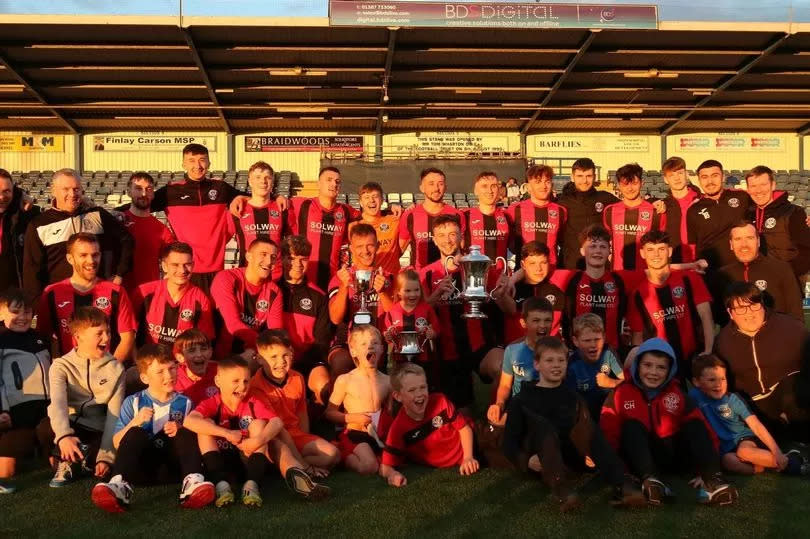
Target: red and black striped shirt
60 300
416 228
458 337
492 233
669 311
326 230
245 309
513 331
306 319
420 318
676 226
267 221
627 226
161 319
545 224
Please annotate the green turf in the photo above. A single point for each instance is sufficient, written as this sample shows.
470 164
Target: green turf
440 503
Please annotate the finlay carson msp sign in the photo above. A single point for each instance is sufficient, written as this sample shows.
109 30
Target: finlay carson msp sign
491 15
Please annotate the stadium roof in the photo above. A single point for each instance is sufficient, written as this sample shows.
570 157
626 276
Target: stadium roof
91 77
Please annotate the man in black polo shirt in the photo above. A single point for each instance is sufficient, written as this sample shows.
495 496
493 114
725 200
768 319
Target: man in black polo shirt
709 220
782 226
780 289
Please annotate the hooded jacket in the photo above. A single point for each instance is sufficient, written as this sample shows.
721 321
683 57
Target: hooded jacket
14 222
757 364
662 410
773 276
24 363
584 209
87 393
784 232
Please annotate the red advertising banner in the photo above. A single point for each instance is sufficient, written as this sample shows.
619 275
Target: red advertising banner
491 15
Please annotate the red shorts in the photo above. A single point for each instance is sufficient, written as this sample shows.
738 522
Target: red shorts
348 440
301 438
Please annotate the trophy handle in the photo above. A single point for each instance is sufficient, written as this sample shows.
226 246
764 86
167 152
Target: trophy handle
504 272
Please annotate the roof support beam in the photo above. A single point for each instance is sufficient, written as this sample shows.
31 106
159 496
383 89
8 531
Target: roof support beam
204 75
805 129
728 82
72 127
386 77
583 48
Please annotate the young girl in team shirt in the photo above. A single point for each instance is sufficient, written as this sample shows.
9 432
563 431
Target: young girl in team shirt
410 313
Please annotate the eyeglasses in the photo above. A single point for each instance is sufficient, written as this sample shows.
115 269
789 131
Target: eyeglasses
742 309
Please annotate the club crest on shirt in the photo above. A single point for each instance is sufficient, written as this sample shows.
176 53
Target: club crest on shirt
384 227
551 298
599 207
210 391
762 284
604 369
245 421
176 416
212 194
553 214
724 410
437 422
159 442
734 202
274 214
306 304
102 302
262 305
421 323
671 402
678 291
186 315
338 215
645 215
770 222
501 220
610 287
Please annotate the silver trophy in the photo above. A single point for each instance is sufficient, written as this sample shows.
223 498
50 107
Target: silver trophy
362 284
475 268
409 344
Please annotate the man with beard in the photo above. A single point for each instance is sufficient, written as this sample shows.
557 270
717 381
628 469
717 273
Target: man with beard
538 218
44 256
261 214
682 194
416 224
585 205
248 300
466 345
629 219
344 298
774 277
168 307
85 289
709 220
306 317
151 236
782 226
15 215
197 209
670 304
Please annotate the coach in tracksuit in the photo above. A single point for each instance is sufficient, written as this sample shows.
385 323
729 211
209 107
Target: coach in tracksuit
44 255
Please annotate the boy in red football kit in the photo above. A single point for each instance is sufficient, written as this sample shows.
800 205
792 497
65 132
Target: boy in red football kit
651 422
285 391
150 235
234 430
427 430
166 308
84 288
362 393
195 371
261 214
671 304
629 219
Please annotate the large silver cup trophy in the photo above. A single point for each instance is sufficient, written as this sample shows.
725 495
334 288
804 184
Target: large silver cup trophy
362 284
409 344
475 268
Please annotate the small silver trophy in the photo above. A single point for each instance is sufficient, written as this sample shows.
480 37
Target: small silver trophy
408 343
362 285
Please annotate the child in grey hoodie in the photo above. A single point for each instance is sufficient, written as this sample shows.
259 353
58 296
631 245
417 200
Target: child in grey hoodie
87 389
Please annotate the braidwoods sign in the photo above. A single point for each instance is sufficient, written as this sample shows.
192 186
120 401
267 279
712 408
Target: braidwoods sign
304 143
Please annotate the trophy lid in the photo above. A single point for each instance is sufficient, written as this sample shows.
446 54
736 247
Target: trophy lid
474 255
